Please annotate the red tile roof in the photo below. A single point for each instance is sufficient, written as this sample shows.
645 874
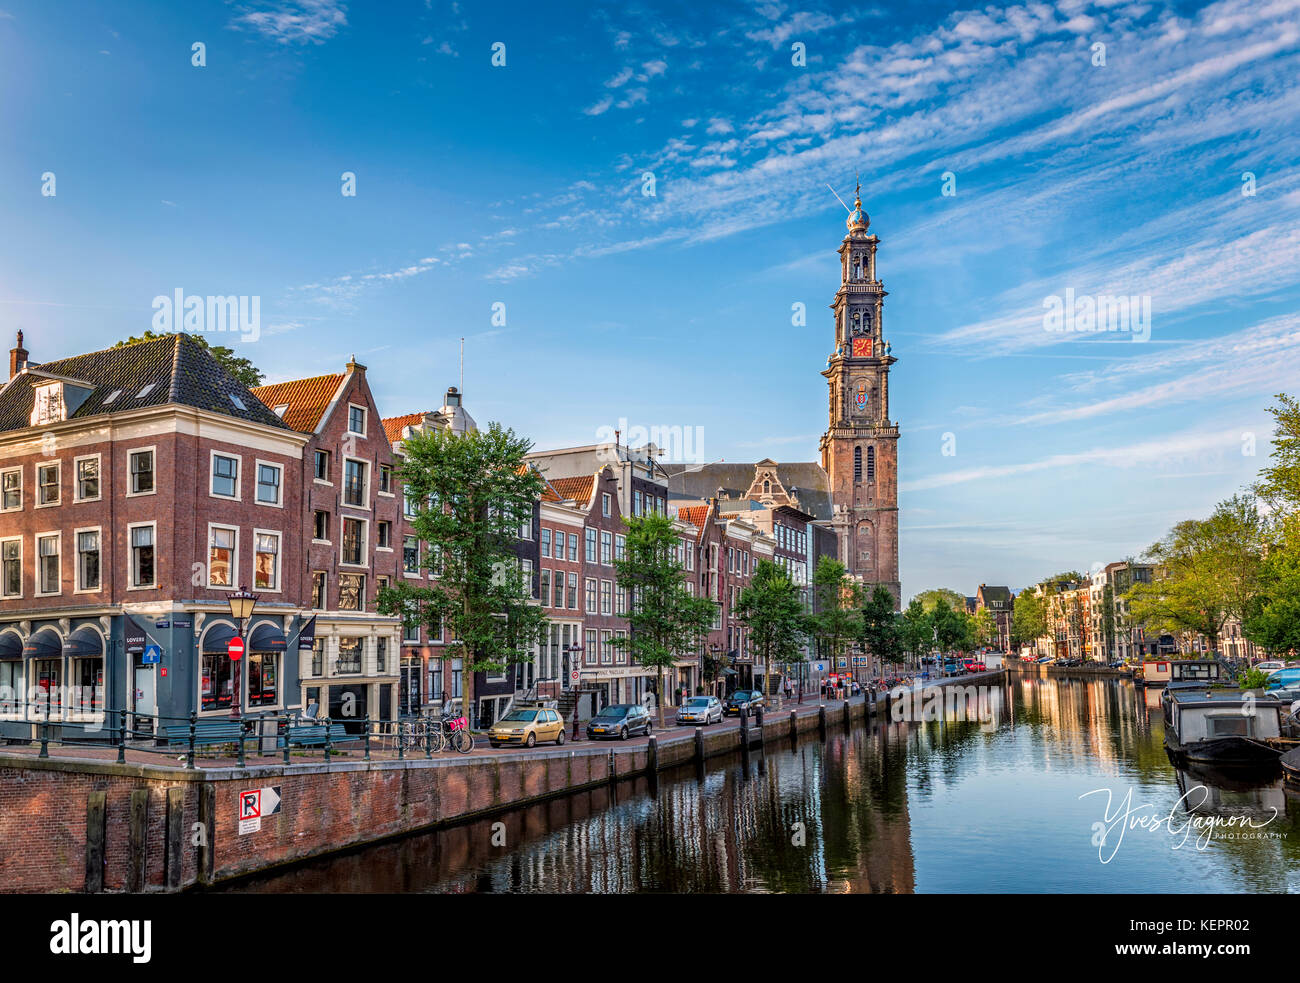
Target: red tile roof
307 399
578 489
696 515
394 425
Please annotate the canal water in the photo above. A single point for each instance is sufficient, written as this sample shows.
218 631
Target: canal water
1031 785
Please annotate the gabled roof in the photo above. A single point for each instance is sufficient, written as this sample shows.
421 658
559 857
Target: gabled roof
578 489
307 399
175 369
696 515
394 425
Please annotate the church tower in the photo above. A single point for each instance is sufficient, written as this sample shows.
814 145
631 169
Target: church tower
859 450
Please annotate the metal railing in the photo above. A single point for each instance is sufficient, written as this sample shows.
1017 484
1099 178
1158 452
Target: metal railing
268 738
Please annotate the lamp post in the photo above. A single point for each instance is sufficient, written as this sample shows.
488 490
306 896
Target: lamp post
571 666
242 603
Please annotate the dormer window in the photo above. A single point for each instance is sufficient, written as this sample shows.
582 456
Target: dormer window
49 407
145 391
280 410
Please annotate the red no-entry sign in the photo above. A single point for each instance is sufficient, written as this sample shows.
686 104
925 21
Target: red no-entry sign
235 648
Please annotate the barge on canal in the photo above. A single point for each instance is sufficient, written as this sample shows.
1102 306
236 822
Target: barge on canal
1221 726
1206 672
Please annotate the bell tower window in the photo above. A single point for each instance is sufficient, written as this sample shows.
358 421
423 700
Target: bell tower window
871 465
857 464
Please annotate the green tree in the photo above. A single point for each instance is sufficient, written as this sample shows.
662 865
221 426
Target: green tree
984 627
834 622
916 633
1028 619
1209 570
1273 620
881 627
666 621
930 598
241 368
951 628
772 609
471 491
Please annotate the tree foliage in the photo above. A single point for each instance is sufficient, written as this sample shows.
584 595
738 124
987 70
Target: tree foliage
881 627
834 623
471 493
772 609
666 621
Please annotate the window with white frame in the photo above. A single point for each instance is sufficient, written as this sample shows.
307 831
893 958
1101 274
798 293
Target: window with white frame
47 484
355 492
573 591
604 503
410 555
606 548
11 490
354 542
606 650
11 568
87 476
546 542
143 572
140 467
357 420
88 559
606 597
222 552
620 547
48 564
225 476
322 466
591 595
266 560
526 569
590 535
386 479
268 483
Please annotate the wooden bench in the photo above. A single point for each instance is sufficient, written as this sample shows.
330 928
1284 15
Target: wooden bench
206 733
313 735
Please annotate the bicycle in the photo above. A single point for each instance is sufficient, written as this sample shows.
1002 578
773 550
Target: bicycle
411 734
453 732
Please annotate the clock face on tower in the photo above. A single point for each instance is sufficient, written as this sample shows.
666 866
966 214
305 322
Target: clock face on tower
862 347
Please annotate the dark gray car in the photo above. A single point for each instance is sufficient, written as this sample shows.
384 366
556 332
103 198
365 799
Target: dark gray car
621 720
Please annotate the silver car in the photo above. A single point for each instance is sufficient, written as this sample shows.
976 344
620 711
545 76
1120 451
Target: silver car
700 710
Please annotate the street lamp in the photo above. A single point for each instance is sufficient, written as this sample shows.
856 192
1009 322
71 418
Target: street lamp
573 670
242 603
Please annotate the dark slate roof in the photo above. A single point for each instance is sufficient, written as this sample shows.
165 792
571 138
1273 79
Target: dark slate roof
805 480
180 369
994 595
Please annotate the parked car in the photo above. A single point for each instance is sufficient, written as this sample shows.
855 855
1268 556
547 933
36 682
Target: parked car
1273 665
748 700
527 726
975 667
1044 659
700 710
621 720
1284 677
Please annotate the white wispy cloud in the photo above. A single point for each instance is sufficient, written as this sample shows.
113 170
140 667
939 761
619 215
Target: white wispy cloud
293 21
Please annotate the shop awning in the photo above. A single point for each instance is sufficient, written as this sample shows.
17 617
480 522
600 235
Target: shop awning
214 642
84 643
11 645
267 638
44 644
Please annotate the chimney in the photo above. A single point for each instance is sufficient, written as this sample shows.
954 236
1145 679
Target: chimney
17 357
354 366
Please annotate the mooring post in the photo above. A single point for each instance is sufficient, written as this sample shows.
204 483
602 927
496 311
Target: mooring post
848 722
699 744
121 739
758 720
136 839
174 852
652 755
96 815
744 728
821 721
366 724
794 726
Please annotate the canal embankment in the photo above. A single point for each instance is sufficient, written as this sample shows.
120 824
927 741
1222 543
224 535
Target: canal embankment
93 825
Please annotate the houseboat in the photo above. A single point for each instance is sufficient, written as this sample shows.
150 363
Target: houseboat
1161 672
1221 726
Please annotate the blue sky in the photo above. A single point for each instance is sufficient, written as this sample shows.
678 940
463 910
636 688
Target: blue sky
522 185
